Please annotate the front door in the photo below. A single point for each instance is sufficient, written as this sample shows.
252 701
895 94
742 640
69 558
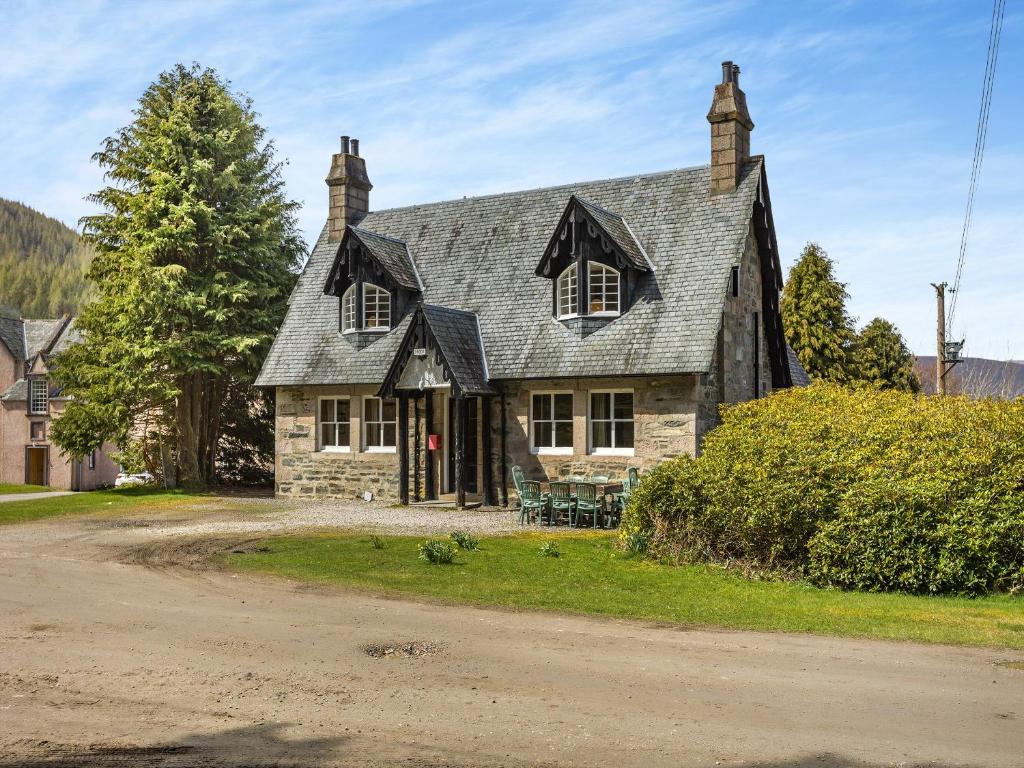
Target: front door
36 464
472 465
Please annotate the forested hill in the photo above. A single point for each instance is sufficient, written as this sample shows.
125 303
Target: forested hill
42 263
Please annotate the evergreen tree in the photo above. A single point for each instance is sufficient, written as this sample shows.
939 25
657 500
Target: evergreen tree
195 258
882 358
814 316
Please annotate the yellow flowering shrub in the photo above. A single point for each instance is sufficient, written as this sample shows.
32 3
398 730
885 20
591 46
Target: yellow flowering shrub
859 489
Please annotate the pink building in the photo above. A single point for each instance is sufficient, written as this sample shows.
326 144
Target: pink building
30 402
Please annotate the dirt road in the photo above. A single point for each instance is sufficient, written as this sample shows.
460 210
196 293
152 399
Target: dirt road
108 659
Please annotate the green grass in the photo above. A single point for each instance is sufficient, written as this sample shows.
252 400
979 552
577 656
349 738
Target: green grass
592 577
115 501
19 488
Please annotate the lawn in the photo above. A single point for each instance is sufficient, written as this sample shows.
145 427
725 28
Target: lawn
120 500
592 577
21 488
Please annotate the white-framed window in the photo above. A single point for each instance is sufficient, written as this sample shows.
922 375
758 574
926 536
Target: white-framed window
380 424
38 396
604 289
611 422
376 308
335 424
551 422
568 293
348 310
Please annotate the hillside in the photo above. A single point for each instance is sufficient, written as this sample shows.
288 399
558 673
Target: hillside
42 263
976 376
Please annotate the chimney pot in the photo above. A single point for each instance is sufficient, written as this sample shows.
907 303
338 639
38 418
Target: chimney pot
344 145
727 71
355 147
736 74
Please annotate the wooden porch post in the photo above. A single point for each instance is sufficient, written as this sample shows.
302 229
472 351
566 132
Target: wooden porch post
460 450
417 444
428 474
403 448
488 474
504 469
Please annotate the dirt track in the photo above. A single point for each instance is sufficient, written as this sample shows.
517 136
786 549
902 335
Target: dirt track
117 657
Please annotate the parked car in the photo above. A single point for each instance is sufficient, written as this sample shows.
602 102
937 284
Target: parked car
127 480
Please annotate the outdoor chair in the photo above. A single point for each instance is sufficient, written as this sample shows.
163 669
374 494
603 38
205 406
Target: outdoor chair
531 500
599 479
588 503
619 501
561 504
634 477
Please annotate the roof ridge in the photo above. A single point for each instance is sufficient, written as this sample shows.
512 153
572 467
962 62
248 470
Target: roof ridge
551 188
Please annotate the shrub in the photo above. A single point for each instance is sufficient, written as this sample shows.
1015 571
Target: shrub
550 549
853 488
437 551
466 541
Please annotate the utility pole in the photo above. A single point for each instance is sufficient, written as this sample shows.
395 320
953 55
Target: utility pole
940 337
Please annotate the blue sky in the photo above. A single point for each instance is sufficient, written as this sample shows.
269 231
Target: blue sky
866 112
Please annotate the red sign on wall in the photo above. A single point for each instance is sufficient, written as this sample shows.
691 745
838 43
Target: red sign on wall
433 442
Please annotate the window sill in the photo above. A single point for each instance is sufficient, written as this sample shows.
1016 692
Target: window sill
612 452
380 449
552 451
335 449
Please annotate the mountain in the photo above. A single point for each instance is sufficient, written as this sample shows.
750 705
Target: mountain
975 376
42 263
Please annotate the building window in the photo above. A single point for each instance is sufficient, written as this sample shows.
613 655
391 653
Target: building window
380 424
604 290
335 426
348 310
37 430
734 281
92 459
611 422
38 396
551 422
376 308
568 295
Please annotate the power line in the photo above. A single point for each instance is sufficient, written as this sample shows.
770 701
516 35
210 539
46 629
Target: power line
995 31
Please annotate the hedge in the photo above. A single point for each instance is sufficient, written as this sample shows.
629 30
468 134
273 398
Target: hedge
858 489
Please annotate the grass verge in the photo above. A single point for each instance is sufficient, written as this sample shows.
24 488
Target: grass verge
592 577
115 501
20 488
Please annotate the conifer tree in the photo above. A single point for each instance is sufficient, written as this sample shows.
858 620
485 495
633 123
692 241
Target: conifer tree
195 255
882 358
814 316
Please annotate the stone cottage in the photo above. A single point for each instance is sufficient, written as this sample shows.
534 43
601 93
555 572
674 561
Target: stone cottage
581 328
29 404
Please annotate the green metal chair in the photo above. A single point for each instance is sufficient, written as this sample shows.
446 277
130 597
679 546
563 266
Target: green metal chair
561 503
599 479
531 500
588 503
619 501
634 477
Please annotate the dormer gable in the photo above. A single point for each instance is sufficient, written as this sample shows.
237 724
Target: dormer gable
594 262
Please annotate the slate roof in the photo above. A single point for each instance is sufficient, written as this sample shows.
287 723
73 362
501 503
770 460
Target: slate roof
458 336
46 336
40 333
796 370
393 255
12 335
479 254
618 230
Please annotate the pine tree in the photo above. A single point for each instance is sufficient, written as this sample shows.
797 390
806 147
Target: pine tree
195 257
814 316
882 358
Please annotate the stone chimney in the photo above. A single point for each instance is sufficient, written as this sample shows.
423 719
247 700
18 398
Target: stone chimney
349 189
730 131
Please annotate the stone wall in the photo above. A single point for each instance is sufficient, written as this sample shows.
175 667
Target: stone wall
664 417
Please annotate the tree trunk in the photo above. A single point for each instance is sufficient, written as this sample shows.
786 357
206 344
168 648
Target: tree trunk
186 418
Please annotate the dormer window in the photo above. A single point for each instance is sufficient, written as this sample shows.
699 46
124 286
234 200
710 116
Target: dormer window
604 290
348 310
376 308
568 293
596 266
